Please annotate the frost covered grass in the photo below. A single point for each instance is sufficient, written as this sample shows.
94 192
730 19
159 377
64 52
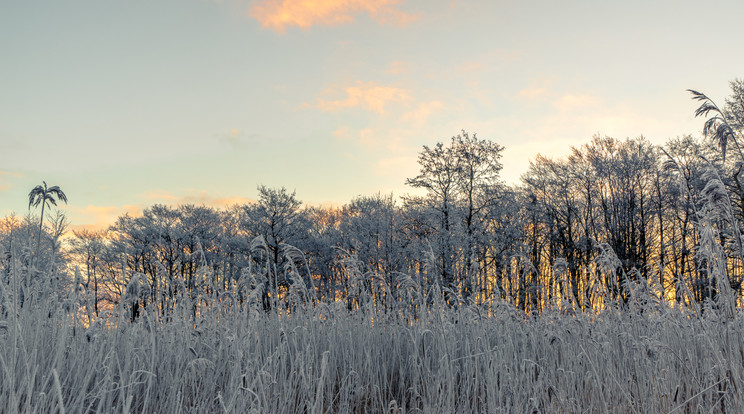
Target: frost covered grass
327 359
380 349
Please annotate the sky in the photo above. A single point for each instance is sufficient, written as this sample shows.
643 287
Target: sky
124 104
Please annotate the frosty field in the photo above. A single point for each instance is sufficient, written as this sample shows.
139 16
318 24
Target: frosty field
371 206
610 280
489 358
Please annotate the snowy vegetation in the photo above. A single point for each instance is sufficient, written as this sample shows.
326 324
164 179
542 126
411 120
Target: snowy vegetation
610 280
324 358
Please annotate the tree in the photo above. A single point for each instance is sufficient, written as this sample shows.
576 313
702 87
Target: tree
480 187
44 196
462 180
277 218
552 212
88 246
734 109
439 174
10 227
323 238
371 229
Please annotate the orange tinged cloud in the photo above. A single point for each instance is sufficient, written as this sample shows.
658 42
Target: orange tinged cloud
399 67
366 95
100 217
532 93
6 174
197 198
279 14
568 103
420 116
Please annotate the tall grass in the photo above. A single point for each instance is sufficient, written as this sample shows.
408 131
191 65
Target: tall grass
427 356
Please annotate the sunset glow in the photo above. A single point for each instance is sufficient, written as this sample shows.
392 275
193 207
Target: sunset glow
352 206
130 104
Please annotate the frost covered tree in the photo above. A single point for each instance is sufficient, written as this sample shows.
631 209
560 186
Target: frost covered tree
278 219
462 182
480 188
88 246
371 229
439 175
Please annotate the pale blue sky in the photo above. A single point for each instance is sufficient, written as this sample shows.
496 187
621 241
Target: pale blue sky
124 104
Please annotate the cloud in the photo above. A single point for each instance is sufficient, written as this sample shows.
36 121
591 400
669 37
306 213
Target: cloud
100 217
370 96
569 103
201 197
10 174
390 151
222 202
484 64
420 115
396 166
233 135
5 176
343 133
369 139
532 93
94 217
539 89
389 141
561 119
399 67
280 14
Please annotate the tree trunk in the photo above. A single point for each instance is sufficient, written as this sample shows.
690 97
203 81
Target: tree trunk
41 224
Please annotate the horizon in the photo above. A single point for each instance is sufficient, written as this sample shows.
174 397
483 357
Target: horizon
128 105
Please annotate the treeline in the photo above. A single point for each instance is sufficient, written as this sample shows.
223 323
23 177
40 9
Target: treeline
614 216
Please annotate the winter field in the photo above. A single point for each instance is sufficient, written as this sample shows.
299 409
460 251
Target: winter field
609 281
218 354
